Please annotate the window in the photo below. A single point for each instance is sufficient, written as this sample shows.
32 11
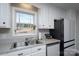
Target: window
24 21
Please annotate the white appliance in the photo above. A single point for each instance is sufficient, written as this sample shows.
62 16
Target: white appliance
53 50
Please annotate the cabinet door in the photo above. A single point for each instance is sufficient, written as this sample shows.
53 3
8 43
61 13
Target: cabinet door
43 17
71 15
46 17
5 15
66 30
72 29
69 43
19 53
69 51
40 53
50 18
51 24
0 10
53 50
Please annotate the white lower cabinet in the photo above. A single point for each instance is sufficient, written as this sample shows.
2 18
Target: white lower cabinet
18 53
69 51
69 43
40 53
34 51
53 50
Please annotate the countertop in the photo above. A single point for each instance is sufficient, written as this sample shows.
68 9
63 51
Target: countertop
45 42
49 41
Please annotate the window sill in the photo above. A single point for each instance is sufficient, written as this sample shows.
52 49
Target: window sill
34 34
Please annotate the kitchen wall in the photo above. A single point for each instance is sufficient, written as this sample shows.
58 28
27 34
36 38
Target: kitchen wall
77 31
56 10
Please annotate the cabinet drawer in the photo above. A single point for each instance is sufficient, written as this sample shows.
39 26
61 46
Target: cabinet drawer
40 53
69 51
39 48
19 53
69 43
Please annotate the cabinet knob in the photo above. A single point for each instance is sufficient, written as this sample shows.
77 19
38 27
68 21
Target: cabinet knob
43 25
39 49
3 22
20 54
49 25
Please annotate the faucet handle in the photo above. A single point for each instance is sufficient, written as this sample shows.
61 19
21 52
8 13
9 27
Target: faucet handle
14 45
26 43
26 38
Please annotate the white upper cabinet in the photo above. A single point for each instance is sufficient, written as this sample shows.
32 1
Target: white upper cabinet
5 15
47 14
45 18
50 18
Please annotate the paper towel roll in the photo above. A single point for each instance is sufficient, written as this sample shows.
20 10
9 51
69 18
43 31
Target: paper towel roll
40 36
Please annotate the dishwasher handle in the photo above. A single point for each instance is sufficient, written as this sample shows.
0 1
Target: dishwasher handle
21 54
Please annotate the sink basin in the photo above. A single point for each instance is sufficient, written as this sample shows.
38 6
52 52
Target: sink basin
35 42
39 42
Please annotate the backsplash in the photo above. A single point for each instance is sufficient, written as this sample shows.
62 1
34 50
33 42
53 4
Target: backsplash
7 39
43 31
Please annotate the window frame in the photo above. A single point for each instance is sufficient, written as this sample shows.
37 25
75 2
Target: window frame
14 9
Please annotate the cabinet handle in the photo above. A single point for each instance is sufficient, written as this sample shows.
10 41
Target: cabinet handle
49 25
39 49
3 22
20 54
43 25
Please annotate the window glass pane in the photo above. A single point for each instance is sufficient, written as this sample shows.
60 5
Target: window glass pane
17 17
24 22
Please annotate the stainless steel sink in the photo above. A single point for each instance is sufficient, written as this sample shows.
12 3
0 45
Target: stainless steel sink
33 42
39 42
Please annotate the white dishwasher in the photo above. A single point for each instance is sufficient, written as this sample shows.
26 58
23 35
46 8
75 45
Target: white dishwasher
53 49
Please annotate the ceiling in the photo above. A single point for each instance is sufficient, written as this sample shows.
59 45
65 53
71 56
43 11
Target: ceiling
67 5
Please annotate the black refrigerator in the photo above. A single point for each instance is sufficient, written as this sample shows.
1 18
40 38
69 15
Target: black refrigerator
58 33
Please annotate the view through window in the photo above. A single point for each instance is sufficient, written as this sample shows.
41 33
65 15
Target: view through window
24 22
